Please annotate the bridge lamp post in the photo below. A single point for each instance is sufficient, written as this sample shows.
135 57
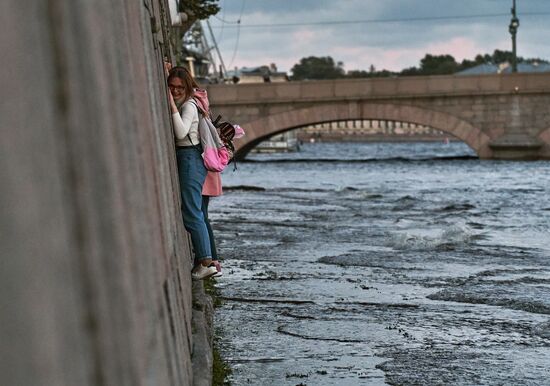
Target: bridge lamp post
513 28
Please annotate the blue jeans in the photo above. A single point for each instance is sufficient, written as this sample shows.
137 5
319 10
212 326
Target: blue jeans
192 173
205 202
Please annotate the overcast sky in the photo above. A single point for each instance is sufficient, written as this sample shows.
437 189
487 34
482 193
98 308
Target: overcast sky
391 45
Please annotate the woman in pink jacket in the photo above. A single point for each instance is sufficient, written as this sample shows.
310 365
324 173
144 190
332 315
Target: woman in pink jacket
212 188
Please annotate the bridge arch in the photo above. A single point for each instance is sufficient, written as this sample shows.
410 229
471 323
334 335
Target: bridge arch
265 127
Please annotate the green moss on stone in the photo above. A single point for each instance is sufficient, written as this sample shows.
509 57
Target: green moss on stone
220 369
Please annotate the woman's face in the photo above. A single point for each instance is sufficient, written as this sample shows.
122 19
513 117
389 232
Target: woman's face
177 89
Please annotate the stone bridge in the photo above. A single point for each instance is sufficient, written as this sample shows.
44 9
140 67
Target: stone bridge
498 116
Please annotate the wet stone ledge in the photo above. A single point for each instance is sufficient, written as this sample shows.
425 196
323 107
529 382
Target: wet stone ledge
202 322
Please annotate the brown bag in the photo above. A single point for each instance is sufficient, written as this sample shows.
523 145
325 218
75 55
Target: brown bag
226 131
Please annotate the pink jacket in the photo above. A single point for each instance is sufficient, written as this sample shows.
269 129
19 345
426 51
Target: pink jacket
212 185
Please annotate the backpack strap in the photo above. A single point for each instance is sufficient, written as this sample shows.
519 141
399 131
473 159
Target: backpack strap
199 115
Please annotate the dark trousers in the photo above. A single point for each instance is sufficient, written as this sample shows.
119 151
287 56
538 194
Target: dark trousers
205 202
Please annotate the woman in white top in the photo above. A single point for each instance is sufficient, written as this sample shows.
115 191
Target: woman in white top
191 170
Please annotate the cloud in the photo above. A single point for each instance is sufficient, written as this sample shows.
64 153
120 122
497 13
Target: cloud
392 45
356 58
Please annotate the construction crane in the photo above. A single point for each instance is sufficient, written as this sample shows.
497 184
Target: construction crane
202 54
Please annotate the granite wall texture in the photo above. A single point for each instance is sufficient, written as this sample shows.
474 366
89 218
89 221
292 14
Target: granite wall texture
95 286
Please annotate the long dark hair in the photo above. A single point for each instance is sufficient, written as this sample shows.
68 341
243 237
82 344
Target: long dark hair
185 76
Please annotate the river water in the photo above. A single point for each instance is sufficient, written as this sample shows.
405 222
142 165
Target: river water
373 264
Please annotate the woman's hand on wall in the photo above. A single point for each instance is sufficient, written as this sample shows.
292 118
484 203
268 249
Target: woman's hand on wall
173 106
167 67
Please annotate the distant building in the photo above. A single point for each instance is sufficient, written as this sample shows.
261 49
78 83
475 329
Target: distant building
505 68
261 74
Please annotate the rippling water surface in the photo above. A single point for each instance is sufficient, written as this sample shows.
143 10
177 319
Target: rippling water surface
405 264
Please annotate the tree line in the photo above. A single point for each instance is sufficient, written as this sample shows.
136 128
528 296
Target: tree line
314 67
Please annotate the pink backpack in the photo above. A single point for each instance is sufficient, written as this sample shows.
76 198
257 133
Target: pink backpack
216 137
215 154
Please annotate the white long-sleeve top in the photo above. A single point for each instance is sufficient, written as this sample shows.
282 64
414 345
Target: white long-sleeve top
186 123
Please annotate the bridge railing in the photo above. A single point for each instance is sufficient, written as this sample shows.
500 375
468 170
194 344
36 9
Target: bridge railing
374 88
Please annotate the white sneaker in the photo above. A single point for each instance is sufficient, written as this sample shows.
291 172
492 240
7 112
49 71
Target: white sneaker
202 272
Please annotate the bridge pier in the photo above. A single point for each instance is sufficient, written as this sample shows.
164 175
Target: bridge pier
517 147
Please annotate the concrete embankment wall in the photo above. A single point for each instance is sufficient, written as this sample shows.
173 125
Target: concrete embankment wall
95 286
